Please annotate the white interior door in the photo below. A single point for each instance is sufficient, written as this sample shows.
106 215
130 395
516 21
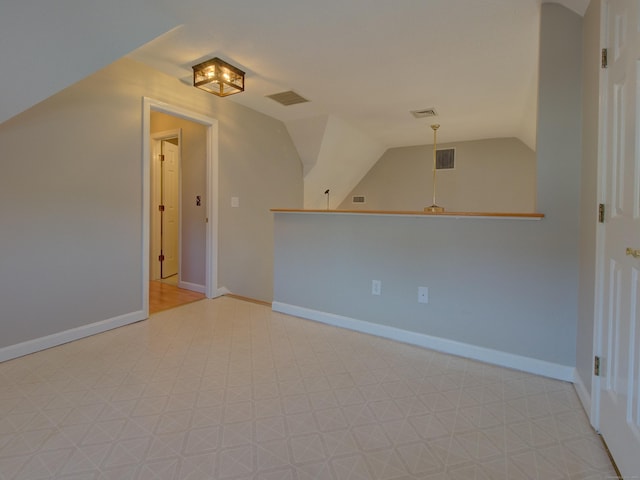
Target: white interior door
154 237
619 345
170 194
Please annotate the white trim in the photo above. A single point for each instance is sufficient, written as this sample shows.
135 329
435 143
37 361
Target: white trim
211 249
222 291
474 352
211 255
583 393
194 287
599 287
37 344
146 202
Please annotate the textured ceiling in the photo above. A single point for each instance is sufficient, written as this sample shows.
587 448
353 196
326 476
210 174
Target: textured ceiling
370 62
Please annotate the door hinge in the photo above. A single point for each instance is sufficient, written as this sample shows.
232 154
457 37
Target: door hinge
161 157
596 366
601 213
604 63
161 208
161 258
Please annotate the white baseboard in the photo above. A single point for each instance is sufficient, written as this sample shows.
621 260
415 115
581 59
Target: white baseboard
222 291
495 357
583 394
42 343
194 287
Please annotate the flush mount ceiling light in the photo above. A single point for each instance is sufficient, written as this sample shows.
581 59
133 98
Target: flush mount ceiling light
218 77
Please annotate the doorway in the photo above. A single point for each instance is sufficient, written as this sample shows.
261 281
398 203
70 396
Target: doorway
165 210
203 203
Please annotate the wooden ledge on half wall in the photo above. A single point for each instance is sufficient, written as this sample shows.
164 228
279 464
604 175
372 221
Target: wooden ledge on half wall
410 213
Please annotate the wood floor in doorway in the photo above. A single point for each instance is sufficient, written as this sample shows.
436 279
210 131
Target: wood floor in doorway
163 296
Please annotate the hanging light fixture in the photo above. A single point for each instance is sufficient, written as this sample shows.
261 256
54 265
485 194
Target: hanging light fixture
434 208
218 77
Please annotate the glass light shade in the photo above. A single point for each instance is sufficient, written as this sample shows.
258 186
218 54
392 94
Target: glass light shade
218 77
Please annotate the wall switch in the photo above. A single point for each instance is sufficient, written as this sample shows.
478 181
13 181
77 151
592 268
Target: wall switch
423 295
376 287
235 202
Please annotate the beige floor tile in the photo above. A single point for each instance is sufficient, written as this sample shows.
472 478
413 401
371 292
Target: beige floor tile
223 388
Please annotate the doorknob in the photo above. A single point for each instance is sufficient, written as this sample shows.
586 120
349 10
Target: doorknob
633 253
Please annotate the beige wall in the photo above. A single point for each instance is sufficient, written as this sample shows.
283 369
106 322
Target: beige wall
71 200
495 175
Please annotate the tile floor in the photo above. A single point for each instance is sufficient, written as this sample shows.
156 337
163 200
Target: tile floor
226 389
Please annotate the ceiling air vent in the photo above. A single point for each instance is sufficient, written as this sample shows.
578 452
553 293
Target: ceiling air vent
358 199
287 98
427 112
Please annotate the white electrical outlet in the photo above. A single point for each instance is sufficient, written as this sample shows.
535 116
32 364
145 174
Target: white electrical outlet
376 287
235 202
423 295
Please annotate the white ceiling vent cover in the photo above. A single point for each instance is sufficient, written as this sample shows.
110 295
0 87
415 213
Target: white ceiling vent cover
427 112
287 98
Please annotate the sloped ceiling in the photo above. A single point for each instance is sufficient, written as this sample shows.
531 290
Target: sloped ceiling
368 62
47 45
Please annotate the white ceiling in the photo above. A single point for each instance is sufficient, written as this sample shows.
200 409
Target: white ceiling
369 62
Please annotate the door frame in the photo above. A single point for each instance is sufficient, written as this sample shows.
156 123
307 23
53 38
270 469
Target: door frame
594 413
156 140
211 243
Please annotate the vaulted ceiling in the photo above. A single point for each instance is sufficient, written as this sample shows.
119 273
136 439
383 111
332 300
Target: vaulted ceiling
370 62
367 62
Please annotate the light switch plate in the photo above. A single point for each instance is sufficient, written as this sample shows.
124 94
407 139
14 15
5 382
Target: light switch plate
423 295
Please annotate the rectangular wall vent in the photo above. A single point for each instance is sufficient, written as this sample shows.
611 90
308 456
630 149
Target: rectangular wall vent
445 158
287 98
427 112
358 199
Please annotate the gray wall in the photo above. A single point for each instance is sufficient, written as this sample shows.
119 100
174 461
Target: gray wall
493 175
491 282
70 199
588 191
262 168
559 146
193 182
503 284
